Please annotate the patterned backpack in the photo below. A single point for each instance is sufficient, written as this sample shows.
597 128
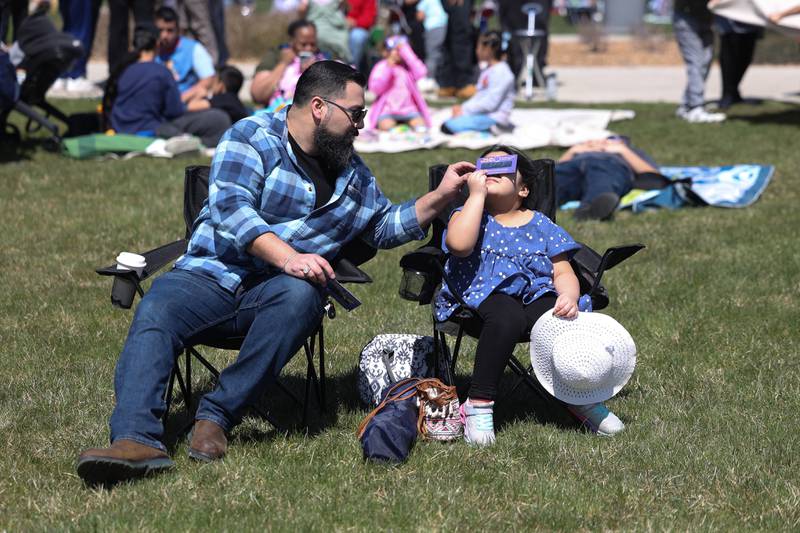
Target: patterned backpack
389 358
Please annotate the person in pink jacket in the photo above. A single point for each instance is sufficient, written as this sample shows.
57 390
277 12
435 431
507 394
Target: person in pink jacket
394 82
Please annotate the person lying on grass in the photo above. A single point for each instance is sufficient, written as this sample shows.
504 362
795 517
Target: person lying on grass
598 174
511 264
286 194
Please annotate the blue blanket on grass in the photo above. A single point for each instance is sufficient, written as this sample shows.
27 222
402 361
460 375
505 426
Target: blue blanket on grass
725 186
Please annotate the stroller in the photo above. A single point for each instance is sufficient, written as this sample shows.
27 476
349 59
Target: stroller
44 53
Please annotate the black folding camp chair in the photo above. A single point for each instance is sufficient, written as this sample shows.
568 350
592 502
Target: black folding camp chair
126 283
424 273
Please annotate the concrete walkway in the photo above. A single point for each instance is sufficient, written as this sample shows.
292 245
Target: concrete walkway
623 84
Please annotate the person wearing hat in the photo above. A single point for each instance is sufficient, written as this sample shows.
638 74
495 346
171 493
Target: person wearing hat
511 264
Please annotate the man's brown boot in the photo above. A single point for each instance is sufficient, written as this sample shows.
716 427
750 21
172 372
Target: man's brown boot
446 92
124 460
207 441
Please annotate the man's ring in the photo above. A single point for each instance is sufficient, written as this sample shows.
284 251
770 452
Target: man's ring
306 269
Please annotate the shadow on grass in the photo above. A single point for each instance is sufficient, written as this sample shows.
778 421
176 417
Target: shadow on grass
12 150
787 117
516 402
283 406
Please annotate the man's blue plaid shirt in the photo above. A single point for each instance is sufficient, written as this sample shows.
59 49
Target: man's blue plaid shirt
256 186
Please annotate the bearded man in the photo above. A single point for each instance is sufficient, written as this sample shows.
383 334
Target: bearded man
286 193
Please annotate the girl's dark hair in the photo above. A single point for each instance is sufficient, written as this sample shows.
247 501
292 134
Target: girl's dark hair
145 38
536 176
494 40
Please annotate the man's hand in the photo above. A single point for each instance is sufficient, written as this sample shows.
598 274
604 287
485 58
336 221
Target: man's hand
454 178
311 267
566 306
476 181
456 111
428 206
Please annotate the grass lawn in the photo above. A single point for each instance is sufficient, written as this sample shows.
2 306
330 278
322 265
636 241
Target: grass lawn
711 439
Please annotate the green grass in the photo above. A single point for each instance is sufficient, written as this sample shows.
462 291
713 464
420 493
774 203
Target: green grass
711 439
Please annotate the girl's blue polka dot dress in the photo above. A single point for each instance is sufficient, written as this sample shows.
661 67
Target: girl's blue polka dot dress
509 260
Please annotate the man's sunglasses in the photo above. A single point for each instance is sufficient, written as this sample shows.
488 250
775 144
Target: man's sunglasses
355 115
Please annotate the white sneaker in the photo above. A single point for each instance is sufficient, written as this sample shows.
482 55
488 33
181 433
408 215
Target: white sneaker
698 115
598 418
427 85
82 86
478 423
183 144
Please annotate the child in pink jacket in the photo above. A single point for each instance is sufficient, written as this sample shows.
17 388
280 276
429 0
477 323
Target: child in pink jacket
394 82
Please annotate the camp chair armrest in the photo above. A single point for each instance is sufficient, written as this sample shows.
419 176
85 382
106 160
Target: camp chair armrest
156 259
428 259
348 272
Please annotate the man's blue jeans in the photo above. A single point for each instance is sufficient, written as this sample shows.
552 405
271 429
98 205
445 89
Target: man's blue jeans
585 177
275 316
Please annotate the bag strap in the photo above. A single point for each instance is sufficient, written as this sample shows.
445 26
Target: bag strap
395 394
386 357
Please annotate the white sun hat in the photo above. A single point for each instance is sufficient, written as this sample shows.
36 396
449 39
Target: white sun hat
587 359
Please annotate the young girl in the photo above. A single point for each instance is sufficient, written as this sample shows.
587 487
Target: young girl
394 82
511 264
491 106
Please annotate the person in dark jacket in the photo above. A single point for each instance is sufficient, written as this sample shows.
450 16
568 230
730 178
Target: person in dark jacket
143 98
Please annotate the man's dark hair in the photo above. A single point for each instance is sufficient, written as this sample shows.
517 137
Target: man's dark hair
299 24
327 79
167 14
231 77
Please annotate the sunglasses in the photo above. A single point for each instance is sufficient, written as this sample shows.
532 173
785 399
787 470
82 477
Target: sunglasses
355 115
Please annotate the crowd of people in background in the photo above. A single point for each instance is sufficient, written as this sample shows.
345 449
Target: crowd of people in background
428 46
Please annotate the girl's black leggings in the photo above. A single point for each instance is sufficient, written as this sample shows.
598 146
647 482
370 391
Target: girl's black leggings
506 321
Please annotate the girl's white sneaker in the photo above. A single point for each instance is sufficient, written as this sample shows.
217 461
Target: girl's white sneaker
478 423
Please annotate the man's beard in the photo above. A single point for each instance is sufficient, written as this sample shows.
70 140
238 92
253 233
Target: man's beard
334 151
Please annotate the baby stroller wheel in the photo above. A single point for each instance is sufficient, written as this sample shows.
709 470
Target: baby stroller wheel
52 144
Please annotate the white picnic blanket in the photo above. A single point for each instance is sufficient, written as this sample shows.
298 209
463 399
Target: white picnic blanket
534 128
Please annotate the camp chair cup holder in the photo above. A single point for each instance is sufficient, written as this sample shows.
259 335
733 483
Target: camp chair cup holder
124 290
417 286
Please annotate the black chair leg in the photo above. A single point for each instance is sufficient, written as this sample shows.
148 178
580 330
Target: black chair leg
188 365
204 362
323 404
168 395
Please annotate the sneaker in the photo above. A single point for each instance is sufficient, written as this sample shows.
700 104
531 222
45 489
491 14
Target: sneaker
598 418
682 111
427 85
500 129
698 115
81 86
183 144
601 208
478 423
